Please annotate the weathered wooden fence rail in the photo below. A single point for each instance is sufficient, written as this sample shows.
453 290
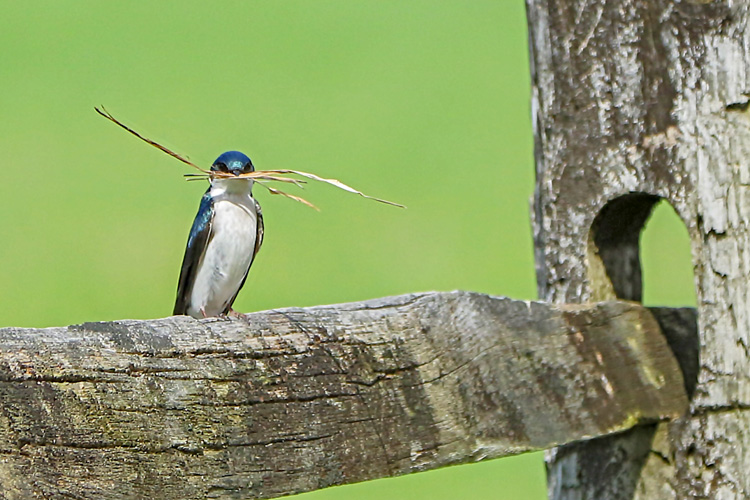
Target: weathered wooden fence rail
298 399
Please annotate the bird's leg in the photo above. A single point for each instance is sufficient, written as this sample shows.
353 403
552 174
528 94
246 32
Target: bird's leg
203 312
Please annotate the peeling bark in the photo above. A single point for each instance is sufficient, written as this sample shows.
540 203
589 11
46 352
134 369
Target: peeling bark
292 400
636 100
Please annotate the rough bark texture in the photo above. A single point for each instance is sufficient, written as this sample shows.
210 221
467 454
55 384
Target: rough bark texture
298 399
633 101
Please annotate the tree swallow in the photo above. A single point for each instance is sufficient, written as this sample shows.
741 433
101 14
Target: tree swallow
225 238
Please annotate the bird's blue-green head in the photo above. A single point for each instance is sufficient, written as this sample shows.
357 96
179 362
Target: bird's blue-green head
233 162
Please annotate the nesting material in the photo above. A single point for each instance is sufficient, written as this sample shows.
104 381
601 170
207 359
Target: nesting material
259 176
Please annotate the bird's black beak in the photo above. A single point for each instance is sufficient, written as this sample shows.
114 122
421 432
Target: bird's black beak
237 172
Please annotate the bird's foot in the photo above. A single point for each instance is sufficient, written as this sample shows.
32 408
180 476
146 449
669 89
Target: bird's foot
234 314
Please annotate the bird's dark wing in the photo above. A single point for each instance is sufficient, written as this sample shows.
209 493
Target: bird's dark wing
200 234
259 231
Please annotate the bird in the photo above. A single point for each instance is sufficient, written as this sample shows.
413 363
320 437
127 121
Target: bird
224 240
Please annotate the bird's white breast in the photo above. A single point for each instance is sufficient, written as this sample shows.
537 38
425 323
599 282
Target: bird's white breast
229 252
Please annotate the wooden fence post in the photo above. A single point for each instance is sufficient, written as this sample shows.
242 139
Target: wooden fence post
636 101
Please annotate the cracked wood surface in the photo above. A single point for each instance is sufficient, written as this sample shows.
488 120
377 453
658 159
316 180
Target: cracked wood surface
292 400
636 101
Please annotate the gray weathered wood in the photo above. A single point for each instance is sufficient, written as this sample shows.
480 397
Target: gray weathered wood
298 399
636 101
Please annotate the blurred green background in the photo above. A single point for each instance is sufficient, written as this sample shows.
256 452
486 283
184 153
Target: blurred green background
421 102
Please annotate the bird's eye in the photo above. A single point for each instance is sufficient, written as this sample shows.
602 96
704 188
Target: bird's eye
221 167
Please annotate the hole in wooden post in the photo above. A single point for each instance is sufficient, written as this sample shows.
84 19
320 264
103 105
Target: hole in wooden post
669 281
614 258
666 260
